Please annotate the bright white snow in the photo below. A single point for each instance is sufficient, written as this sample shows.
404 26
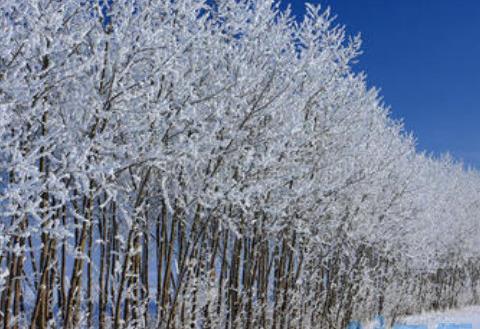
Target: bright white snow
465 315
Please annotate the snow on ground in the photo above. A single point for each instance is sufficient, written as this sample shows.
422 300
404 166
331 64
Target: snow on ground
467 315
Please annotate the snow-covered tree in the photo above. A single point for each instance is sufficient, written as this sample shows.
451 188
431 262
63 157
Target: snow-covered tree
176 164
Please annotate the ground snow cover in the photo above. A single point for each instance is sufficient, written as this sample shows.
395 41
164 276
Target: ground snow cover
467 315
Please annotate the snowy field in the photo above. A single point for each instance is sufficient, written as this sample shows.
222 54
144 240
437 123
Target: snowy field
467 315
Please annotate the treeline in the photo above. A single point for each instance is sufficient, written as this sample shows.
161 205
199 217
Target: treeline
178 164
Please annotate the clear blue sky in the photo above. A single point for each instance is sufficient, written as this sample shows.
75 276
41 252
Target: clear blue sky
424 55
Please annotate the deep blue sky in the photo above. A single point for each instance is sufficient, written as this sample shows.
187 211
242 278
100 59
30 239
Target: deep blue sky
424 55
